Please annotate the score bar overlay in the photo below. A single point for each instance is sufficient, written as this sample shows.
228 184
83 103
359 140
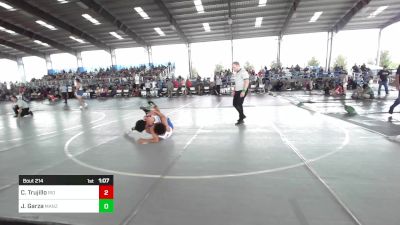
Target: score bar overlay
66 194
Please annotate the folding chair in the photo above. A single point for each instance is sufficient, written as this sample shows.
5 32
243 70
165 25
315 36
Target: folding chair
154 92
93 94
261 88
164 91
126 93
231 89
119 93
206 90
175 92
193 90
143 93
86 95
252 88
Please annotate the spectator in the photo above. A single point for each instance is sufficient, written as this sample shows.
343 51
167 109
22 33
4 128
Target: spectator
147 86
199 86
176 83
20 108
64 92
160 86
170 88
383 79
278 86
137 80
363 68
188 83
356 69
357 94
79 93
218 83
344 81
368 93
397 84
183 86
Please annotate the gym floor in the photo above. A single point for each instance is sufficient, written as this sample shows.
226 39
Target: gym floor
286 165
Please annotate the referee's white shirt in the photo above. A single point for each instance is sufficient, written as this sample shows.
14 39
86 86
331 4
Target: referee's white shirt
240 76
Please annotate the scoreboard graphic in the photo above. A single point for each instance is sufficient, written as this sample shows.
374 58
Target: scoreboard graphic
66 194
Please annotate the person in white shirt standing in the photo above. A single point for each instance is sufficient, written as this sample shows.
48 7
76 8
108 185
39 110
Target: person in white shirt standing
64 92
137 81
218 83
345 81
147 86
79 93
240 91
21 108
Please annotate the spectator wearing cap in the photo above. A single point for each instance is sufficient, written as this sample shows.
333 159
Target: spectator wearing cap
383 79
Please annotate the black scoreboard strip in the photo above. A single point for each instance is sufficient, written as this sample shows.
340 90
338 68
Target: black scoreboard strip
66 179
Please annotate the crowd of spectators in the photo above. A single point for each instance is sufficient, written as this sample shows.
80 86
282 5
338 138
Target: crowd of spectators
332 83
104 80
161 81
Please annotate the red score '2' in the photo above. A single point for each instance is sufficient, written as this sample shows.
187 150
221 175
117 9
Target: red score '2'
106 192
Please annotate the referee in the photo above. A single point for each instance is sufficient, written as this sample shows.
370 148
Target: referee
240 91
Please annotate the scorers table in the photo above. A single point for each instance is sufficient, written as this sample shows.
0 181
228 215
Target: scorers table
66 194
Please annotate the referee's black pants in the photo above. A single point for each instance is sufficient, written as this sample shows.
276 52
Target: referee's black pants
238 103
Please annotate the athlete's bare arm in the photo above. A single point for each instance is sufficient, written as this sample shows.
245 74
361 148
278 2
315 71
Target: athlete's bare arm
154 138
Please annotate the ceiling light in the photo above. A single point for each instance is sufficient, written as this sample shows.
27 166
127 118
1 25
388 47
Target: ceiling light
199 6
51 27
377 11
159 31
77 39
206 27
116 35
91 19
142 13
8 31
258 22
62 1
41 43
315 17
262 3
6 6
